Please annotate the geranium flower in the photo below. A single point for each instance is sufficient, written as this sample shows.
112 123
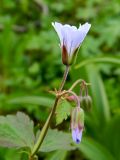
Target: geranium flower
77 134
70 39
77 124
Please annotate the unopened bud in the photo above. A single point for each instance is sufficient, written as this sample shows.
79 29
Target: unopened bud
71 98
86 102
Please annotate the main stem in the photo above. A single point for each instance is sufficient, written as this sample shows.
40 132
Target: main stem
47 123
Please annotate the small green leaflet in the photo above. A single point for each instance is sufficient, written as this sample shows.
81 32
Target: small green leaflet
63 110
16 131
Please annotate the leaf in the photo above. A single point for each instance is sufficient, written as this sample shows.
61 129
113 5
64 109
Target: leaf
99 60
11 153
94 150
63 110
16 131
59 155
32 100
101 106
57 140
112 136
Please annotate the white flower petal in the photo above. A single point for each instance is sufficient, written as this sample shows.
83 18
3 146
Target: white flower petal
67 37
58 28
75 42
79 35
74 135
83 30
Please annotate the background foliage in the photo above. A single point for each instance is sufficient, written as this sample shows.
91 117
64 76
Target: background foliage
30 66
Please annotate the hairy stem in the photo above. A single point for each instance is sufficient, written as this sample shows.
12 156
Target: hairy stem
64 78
44 130
47 123
75 84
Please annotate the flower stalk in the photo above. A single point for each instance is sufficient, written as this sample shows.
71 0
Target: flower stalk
47 123
44 129
75 84
64 78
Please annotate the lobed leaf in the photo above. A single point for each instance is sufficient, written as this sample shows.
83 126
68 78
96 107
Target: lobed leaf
63 110
16 131
57 140
59 155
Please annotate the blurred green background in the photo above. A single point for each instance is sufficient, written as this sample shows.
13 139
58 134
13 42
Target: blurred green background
30 66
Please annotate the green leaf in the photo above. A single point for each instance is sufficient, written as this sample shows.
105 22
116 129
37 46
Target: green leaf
59 155
94 150
32 100
9 154
99 60
57 140
16 131
63 110
112 136
101 106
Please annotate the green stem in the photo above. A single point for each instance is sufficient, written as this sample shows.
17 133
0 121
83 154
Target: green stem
44 129
47 123
64 78
76 83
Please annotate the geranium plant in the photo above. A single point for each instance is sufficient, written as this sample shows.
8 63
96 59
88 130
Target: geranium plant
18 131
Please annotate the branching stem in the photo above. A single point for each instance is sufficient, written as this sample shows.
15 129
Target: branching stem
47 123
75 84
76 97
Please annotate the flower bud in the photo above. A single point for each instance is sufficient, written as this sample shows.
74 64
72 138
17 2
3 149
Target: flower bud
71 98
77 124
86 102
